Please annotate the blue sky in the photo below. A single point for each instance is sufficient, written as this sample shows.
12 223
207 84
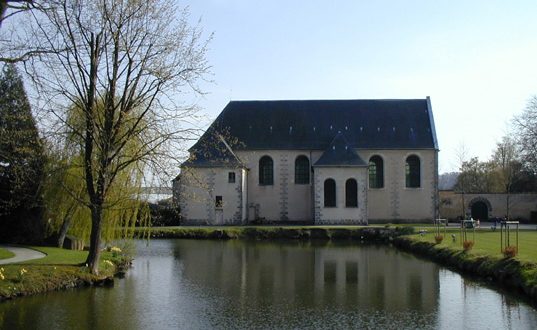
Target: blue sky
477 60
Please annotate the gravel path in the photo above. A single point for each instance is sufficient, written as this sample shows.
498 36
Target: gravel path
21 254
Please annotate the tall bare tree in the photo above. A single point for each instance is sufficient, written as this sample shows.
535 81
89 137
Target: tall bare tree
10 8
525 126
461 154
134 58
505 159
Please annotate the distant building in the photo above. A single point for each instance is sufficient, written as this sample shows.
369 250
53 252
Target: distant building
322 162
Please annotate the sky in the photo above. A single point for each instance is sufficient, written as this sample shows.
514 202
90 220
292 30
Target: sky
477 60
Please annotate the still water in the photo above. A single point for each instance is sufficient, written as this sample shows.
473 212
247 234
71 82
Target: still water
187 284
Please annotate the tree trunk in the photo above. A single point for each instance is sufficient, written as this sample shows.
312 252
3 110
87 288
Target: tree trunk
463 208
65 227
95 239
507 206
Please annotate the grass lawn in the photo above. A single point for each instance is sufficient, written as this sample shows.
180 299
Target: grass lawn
59 269
487 242
4 254
57 256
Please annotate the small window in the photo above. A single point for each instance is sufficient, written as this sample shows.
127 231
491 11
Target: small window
231 177
329 193
266 171
412 172
376 172
351 193
218 201
302 170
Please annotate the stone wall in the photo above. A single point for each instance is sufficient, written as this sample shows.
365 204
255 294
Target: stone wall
198 188
520 205
341 214
395 202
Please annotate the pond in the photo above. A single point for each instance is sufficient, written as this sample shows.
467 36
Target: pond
190 284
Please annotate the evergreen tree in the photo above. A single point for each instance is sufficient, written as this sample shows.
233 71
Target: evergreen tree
21 162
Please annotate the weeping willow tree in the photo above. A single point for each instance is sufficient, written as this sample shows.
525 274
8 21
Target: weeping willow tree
68 208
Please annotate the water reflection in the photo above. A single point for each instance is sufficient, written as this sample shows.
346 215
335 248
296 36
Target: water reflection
237 284
352 277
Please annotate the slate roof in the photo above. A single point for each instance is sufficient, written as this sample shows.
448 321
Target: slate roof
215 153
313 124
340 153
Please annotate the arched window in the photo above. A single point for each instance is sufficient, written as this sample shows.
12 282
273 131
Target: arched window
351 193
329 193
302 170
376 172
266 171
412 172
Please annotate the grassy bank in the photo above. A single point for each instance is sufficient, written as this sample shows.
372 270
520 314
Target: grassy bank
484 259
4 254
60 269
370 233
486 242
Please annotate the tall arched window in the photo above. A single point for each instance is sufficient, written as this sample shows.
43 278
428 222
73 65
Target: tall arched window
412 172
329 193
376 172
266 171
351 193
302 170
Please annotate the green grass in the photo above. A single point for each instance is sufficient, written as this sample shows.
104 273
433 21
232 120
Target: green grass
57 256
59 269
487 242
4 254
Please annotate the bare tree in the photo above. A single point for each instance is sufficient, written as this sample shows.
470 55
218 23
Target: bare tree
461 155
525 126
505 159
15 7
135 60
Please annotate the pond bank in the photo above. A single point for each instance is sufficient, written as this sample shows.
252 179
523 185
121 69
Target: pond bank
373 234
24 279
508 272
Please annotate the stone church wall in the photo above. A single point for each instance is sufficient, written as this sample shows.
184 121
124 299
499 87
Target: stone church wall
395 202
198 189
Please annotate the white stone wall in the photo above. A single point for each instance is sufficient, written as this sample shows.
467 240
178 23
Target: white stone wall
288 201
520 205
395 202
284 200
340 214
198 189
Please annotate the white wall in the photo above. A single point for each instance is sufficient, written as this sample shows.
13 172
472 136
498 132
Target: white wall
284 200
199 188
520 205
395 202
340 214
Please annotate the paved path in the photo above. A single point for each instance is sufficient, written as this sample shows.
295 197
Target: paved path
21 254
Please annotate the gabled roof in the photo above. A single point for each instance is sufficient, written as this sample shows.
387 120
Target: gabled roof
215 153
340 153
313 124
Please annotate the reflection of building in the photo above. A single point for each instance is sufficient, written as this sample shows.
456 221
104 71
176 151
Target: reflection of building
377 276
352 276
331 161
485 206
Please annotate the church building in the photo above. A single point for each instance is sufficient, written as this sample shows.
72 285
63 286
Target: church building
313 161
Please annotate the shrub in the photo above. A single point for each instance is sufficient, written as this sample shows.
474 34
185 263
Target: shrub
468 245
438 239
510 251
